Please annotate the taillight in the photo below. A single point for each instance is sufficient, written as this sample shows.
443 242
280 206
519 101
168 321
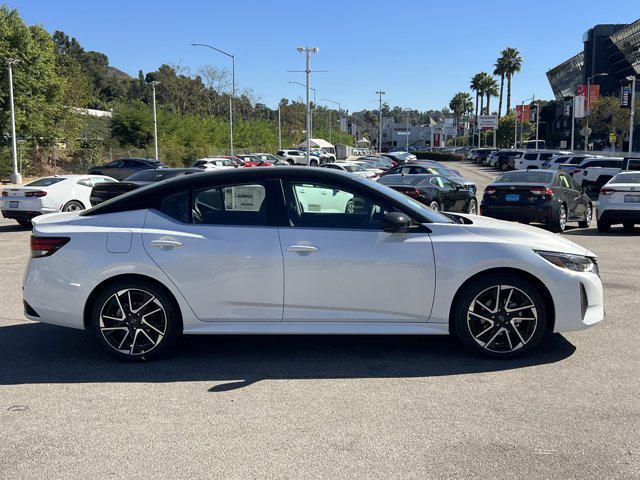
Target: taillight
37 193
489 191
412 192
541 191
45 246
606 191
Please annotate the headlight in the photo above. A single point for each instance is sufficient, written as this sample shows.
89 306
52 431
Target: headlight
578 263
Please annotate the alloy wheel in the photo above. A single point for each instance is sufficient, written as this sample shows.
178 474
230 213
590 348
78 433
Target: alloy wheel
562 218
73 207
133 322
473 207
434 206
502 319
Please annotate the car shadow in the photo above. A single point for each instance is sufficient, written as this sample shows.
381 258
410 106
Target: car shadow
14 228
35 353
593 232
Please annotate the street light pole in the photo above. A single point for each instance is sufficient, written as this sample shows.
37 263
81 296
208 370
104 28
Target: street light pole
233 86
407 130
586 128
339 109
633 111
155 122
15 176
307 71
314 103
380 93
537 122
573 121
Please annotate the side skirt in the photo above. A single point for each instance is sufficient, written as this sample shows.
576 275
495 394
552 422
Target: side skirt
317 328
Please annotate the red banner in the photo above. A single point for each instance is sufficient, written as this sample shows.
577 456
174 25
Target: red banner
592 98
523 115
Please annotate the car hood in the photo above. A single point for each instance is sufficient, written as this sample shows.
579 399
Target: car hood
534 237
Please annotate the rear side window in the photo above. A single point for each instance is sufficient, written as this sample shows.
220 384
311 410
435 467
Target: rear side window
45 182
545 156
530 156
176 206
230 205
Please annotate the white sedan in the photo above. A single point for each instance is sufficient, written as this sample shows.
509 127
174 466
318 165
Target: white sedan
351 167
281 251
214 164
619 202
59 193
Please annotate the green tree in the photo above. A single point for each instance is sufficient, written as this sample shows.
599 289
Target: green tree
38 89
500 70
608 117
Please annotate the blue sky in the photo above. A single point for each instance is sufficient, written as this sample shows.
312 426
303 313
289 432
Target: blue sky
420 52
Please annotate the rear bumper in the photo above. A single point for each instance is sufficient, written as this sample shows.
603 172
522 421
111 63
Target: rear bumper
619 216
518 213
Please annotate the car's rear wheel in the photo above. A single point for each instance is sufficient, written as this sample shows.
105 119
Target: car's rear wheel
73 206
434 206
500 316
559 223
24 223
313 163
587 218
603 226
135 320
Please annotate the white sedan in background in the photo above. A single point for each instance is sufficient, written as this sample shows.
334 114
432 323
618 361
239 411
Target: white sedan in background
619 202
58 193
214 164
357 168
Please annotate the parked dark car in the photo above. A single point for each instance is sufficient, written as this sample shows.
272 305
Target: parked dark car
400 157
435 191
537 196
124 167
427 168
106 191
507 159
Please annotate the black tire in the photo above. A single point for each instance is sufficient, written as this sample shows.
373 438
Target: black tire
313 163
628 227
587 221
73 206
603 226
289 161
558 224
349 207
473 207
497 344
163 327
24 223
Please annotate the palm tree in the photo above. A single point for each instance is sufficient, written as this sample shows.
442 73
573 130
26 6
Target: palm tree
490 90
476 85
512 64
500 71
461 104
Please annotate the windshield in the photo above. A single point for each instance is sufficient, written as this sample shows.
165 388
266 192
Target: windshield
529 176
626 178
45 182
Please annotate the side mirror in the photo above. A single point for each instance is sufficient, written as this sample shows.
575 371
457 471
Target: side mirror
395 222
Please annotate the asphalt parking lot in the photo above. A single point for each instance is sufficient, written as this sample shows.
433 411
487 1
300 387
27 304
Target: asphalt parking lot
325 407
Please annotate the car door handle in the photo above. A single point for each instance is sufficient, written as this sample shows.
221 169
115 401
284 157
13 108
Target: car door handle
165 243
302 248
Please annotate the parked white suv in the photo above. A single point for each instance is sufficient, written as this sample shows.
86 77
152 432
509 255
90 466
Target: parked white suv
531 160
596 171
293 157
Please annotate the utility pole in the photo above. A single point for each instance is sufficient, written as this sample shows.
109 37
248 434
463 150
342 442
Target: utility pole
537 122
155 121
573 121
15 176
633 111
407 130
380 94
279 129
233 86
307 71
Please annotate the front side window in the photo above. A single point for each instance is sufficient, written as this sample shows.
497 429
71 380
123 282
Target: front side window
323 206
230 205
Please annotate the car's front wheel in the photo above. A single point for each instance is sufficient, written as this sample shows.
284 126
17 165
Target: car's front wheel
434 206
559 223
587 218
500 316
135 320
73 206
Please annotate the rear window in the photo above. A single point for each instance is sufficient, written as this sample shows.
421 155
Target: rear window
44 182
626 178
147 176
529 176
